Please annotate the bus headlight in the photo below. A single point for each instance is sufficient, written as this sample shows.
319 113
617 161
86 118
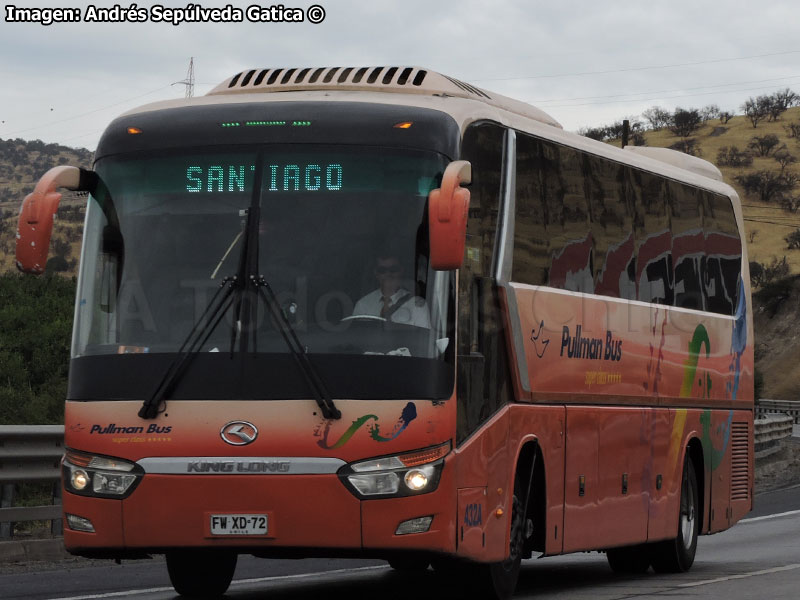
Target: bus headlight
417 479
79 479
101 476
405 474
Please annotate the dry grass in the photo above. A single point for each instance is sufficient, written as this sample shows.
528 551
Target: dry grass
768 239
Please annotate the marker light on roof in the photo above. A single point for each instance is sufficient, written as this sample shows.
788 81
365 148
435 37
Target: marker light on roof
264 123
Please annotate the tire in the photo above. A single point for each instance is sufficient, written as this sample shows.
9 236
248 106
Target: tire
497 581
628 560
677 555
201 573
409 564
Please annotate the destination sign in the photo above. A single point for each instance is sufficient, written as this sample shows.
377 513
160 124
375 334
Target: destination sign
276 178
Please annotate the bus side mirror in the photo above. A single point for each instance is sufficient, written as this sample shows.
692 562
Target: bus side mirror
448 208
36 216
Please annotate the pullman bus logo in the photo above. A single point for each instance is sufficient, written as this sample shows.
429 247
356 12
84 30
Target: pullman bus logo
239 433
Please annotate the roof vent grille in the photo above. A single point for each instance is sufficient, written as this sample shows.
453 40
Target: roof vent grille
396 79
468 88
401 76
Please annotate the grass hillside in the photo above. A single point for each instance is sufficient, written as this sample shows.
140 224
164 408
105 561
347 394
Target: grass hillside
765 240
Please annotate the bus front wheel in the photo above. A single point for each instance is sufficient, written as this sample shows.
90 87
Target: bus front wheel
497 581
201 573
677 555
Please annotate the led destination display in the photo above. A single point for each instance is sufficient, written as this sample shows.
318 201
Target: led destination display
277 177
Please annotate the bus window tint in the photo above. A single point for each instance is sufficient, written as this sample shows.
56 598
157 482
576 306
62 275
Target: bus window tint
723 255
588 224
654 279
612 228
531 236
483 148
688 245
483 376
571 244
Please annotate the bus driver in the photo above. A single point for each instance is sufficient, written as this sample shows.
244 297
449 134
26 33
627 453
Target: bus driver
391 300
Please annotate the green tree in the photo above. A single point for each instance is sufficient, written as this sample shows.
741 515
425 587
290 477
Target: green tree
35 329
685 122
657 117
756 109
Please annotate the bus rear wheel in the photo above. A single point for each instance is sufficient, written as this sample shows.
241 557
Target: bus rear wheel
677 555
201 573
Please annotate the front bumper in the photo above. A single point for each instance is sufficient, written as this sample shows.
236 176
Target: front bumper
309 514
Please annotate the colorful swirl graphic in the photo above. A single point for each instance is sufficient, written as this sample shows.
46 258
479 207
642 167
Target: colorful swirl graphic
713 457
409 414
699 339
738 341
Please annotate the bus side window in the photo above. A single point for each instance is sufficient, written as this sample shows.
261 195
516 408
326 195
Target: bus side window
571 244
723 255
531 226
483 380
688 245
654 275
611 210
553 244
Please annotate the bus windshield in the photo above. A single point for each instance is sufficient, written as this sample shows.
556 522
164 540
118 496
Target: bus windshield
342 241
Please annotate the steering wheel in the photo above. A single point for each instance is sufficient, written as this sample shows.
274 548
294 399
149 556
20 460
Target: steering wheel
363 318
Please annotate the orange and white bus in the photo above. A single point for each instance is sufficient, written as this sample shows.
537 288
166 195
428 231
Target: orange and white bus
380 312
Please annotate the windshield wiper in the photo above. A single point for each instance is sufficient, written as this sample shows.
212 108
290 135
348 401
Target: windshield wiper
298 351
198 336
237 292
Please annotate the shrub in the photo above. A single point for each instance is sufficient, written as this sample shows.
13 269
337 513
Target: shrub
767 186
733 157
764 145
688 146
793 240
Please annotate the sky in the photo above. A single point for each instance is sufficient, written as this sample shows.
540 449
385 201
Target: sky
586 63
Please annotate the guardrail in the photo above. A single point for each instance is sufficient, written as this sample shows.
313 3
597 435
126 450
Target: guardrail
769 431
30 453
788 407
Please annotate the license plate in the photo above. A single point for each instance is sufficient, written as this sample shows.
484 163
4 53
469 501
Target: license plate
238 524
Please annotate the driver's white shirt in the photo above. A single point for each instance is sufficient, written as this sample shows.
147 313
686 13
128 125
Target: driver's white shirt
413 311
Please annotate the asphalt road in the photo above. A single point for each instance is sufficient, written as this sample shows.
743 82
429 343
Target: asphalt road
758 558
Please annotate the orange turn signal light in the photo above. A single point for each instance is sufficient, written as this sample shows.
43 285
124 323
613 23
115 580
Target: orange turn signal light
134 130
421 457
403 125
77 458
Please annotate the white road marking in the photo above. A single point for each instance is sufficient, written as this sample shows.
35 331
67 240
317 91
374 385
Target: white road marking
740 576
117 594
767 517
233 583
307 575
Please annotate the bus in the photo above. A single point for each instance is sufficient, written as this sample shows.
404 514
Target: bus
379 312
